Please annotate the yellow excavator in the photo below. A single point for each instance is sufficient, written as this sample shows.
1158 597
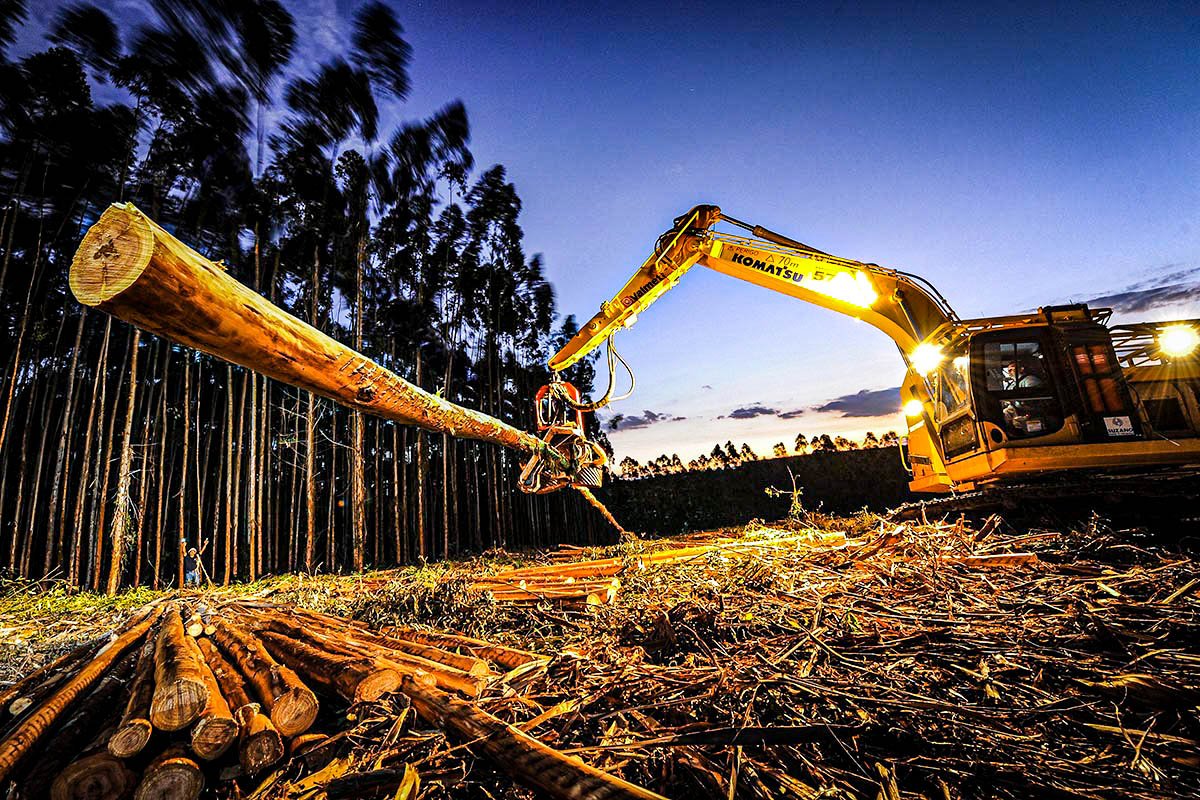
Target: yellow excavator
989 402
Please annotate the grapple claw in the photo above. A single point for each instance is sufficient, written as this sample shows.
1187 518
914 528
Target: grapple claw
580 462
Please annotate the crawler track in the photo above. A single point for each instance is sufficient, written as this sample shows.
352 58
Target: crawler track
1169 498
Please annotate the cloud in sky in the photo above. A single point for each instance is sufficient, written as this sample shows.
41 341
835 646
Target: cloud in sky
1180 286
791 414
625 422
750 412
865 403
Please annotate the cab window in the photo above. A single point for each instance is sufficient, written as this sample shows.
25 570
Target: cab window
1017 377
950 385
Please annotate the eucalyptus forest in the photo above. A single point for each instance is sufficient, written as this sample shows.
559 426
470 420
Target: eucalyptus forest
389 238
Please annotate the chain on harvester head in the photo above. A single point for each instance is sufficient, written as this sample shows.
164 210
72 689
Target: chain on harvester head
559 410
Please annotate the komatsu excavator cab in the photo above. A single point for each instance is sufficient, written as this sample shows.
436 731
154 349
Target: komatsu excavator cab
1013 396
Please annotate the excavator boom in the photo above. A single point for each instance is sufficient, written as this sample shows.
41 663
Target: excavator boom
988 401
895 302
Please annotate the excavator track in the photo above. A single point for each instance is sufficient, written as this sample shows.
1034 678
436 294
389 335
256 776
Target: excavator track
1165 497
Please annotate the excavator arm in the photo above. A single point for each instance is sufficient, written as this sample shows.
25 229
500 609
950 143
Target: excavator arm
903 306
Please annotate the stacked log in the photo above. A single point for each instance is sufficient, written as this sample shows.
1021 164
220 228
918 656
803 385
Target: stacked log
189 686
592 582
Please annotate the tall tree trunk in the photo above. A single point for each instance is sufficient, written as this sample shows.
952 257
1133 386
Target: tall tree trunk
358 488
310 424
54 548
143 488
100 503
119 533
183 478
254 477
420 489
330 519
85 469
226 496
160 482
397 513
16 555
235 451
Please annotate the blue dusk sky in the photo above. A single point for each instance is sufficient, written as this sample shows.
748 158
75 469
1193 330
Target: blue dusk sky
1015 155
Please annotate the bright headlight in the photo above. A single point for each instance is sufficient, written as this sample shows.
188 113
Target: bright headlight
913 409
1178 340
926 358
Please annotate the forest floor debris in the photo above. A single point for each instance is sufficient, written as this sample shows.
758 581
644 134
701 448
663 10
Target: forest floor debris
819 657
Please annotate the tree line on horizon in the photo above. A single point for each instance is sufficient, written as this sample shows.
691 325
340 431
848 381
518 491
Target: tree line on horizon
118 450
730 456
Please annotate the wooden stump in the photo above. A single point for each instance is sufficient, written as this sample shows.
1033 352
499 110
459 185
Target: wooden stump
180 691
101 776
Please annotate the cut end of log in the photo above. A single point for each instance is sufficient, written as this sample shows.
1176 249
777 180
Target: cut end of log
376 684
261 744
294 711
171 779
130 738
212 736
114 253
178 705
96 777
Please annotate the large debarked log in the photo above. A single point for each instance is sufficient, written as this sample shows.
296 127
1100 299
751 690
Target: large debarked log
131 268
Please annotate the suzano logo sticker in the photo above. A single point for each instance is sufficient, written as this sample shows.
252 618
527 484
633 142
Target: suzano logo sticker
1119 426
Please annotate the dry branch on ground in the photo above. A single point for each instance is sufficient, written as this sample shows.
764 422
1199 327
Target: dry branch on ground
839 658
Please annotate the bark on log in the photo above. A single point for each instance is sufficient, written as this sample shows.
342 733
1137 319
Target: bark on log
507 657
259 744
81 731
216 729
100 776
519 754
468 664
347 642
180 691
233 685
591 596
291 705
171 776
134 729
131 268
36 685
35 726
601 567
354 678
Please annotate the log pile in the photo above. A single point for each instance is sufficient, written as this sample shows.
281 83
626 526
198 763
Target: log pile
593 582
214 695
876 660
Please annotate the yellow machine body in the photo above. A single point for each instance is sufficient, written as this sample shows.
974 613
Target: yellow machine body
995 400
